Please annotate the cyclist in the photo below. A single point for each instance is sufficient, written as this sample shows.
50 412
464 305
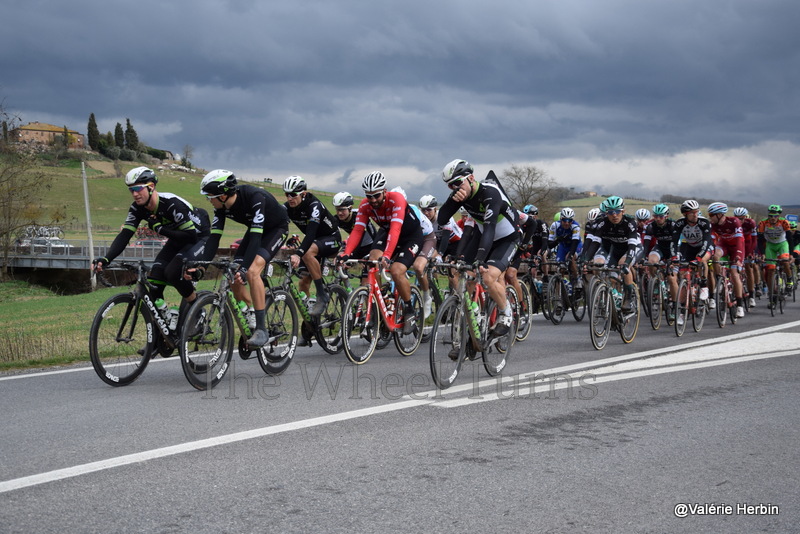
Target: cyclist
399 238
496 222
185 227
267 227
657 243
772 240
643 218
614 240
565 237
536 245
343 202
322 238
450 232
729 242
527 226
697 245
749 230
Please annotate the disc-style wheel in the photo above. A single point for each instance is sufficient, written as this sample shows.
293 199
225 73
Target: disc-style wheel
206 344
121 340
360 326
448 341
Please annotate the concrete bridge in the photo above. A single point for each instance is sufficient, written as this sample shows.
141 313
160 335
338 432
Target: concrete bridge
72 254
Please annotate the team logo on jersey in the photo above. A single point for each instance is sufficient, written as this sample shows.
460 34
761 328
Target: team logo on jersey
258 218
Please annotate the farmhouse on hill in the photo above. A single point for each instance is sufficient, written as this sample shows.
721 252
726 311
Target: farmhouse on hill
40 133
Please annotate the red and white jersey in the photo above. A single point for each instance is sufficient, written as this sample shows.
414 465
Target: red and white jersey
390 216
728 231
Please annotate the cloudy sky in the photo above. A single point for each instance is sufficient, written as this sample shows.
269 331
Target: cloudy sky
629 97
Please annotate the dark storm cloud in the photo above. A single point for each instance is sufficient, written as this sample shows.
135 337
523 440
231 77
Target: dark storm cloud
334 88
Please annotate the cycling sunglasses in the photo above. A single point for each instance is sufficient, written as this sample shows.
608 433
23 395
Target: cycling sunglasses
136 188
614 212
292 195
373 196
455 184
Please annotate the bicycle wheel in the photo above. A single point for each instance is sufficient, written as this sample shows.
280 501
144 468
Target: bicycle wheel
781 291
525 319
555 299
656 300
629 321
544 299
282 320
578 303
495 349
407 343
360 334
449 337
600 315
120 340
682 306
773 293
329 328
206 344
644 294
719 300
700 309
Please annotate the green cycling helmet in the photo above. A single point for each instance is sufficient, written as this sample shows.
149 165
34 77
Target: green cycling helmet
661 209
774 209
612 203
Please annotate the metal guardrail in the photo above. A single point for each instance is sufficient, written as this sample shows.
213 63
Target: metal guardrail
71 254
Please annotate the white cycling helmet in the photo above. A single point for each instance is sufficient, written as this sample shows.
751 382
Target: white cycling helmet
689 205
400 190
342 200
593 214
643 214
140 175
717 207
428 201
294 184
374 181
456 169
567 213
740 212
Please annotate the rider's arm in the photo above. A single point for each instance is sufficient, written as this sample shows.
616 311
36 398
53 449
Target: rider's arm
362 221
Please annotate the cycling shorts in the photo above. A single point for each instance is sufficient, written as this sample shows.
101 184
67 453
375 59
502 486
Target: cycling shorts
775 251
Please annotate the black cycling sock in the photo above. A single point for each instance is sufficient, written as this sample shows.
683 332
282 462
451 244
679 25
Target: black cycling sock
260 315
320 285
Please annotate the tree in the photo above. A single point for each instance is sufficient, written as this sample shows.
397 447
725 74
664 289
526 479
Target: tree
21 188
530 185
93 133
119 137
188 154
131 137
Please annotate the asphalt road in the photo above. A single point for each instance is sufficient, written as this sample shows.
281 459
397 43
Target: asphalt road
621 440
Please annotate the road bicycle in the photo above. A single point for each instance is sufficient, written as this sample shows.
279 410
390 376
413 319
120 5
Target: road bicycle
536 288
128 330
327 328
724 296
659 298
777 288
206 345
368 307
438 295
463 329
562 295
606 311
689 301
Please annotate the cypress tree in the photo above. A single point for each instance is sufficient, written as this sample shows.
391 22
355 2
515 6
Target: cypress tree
119 137
93 133
131 138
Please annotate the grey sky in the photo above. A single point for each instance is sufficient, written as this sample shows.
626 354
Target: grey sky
623 96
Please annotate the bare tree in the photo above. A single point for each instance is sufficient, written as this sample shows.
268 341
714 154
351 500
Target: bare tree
21 188
530 185
188 154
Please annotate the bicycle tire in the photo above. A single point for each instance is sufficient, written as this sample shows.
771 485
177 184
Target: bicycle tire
407 344
629 322
600 315
721 301
555 299
644 296
578 303
495 349
525 322
282 319
328 329
449 338
782 291
119 361
732 302
682 307
436 301
656 300
206 344
700 310
360 337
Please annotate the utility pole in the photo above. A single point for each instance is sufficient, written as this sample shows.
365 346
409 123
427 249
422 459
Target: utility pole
92 277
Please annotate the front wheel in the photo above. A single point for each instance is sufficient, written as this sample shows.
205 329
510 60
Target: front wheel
121 340
578 302
283 325
496 348
525 321
329 328
206 344
682 306
656 298
555 299
719 300
407 343
600 315
449 337
629 320
360 326
700 309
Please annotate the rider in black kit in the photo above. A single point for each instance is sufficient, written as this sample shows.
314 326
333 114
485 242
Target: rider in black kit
267 227
185 227
322 238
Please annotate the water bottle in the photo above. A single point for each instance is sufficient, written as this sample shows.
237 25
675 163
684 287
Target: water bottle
538 286
569 286
617 297
162 307
389 305
173 313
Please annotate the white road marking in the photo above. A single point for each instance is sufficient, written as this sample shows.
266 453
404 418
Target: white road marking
608 370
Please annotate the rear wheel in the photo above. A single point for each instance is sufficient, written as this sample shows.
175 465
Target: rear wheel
525 321
282 322
555 299
720 301
700 310
578 302
121 340
206 345
436 301
360 326
329 326
496 348
448 341
656 300
408 343
682 307
629 321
